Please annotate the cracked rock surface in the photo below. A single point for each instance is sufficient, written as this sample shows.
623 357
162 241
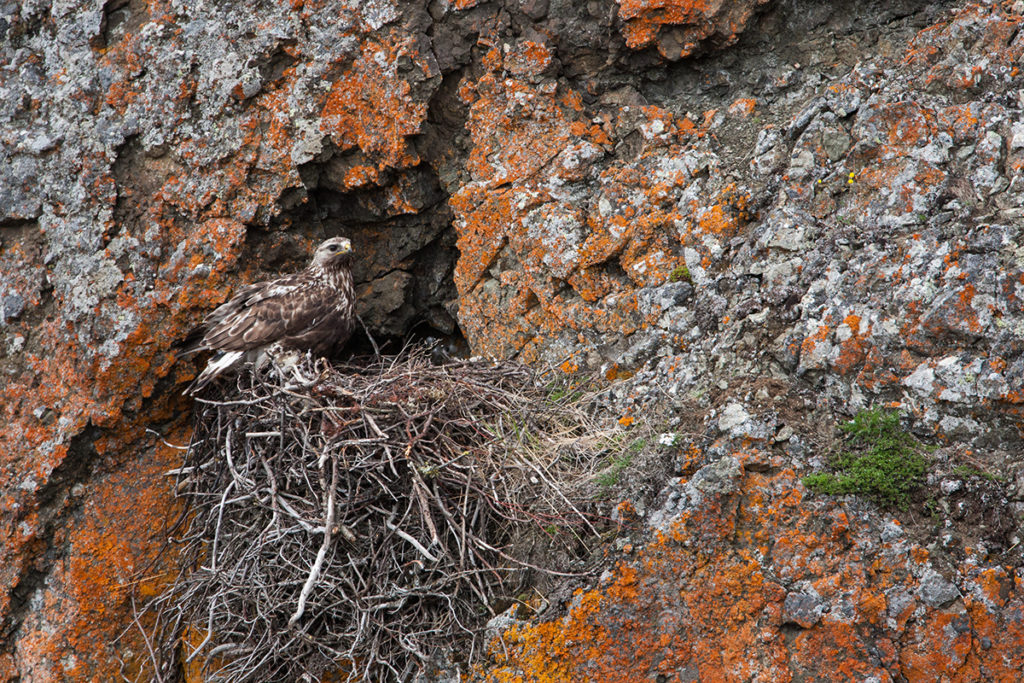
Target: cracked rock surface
754 218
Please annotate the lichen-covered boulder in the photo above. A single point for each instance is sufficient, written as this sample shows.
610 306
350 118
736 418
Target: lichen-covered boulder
679 27
863 241
754 581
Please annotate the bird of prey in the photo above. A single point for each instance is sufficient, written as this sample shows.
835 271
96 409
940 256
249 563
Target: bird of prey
312 310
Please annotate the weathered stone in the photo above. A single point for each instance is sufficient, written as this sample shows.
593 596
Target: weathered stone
678 27
679 606
842 186
802 609
936 591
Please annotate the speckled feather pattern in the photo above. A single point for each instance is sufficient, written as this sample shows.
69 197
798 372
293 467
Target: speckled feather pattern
308 311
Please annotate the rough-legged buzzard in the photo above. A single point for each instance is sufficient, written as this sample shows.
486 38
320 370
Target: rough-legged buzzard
308 311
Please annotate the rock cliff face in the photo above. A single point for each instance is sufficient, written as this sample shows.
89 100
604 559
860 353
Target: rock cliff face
765 214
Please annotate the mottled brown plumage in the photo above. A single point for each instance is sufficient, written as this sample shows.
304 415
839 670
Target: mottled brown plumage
308 311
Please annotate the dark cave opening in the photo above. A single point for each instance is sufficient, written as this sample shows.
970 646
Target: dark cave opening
402 235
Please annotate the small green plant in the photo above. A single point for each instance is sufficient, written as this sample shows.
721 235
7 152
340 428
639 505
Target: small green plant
882 461
823 482
966 472
565 389
610 476
557 394
637 446
680 274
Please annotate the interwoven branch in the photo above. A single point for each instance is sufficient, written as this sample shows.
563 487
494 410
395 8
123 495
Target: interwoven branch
364 519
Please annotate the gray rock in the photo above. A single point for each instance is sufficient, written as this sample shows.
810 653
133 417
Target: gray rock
719 478
935 590
836 142
802 609
11 306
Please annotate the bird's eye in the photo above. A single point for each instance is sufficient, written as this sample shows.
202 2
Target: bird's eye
333 247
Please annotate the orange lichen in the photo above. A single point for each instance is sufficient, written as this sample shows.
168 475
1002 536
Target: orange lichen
695 20
811 340
528 58
109 551
371 109
113 389
854 349
696 601
522 144
96 390
631 224
743 106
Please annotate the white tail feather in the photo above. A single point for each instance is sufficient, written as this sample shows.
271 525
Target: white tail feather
214 367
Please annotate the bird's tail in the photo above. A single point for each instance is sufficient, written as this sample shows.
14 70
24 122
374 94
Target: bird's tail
218 364
192 342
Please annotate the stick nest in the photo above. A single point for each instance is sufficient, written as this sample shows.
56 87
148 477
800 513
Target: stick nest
368 519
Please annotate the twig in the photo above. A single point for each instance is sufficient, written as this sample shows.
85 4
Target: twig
314 572
412 541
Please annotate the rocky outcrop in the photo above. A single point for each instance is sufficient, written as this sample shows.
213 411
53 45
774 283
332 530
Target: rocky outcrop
153 157
863 240
690 196
740 574
751 581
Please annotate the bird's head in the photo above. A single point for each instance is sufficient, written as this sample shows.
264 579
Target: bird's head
334 250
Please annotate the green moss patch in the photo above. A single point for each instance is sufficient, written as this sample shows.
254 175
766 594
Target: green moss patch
880 461
680 274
